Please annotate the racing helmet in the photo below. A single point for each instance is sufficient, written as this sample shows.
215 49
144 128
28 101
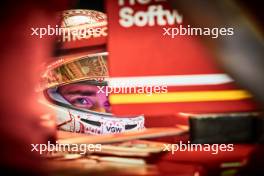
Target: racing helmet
74 81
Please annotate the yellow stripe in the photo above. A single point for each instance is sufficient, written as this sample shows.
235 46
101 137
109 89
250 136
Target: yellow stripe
173 97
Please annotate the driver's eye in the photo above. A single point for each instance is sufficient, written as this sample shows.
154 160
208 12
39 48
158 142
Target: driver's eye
82 101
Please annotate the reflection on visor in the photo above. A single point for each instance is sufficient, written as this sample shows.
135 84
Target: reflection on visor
91 67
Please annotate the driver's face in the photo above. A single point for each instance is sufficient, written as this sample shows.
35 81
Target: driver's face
85 96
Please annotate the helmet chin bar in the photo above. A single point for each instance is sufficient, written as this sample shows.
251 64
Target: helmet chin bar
70 118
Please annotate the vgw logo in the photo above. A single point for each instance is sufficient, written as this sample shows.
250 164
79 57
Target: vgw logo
113 129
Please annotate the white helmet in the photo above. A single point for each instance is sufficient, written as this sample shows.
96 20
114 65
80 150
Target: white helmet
71 82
